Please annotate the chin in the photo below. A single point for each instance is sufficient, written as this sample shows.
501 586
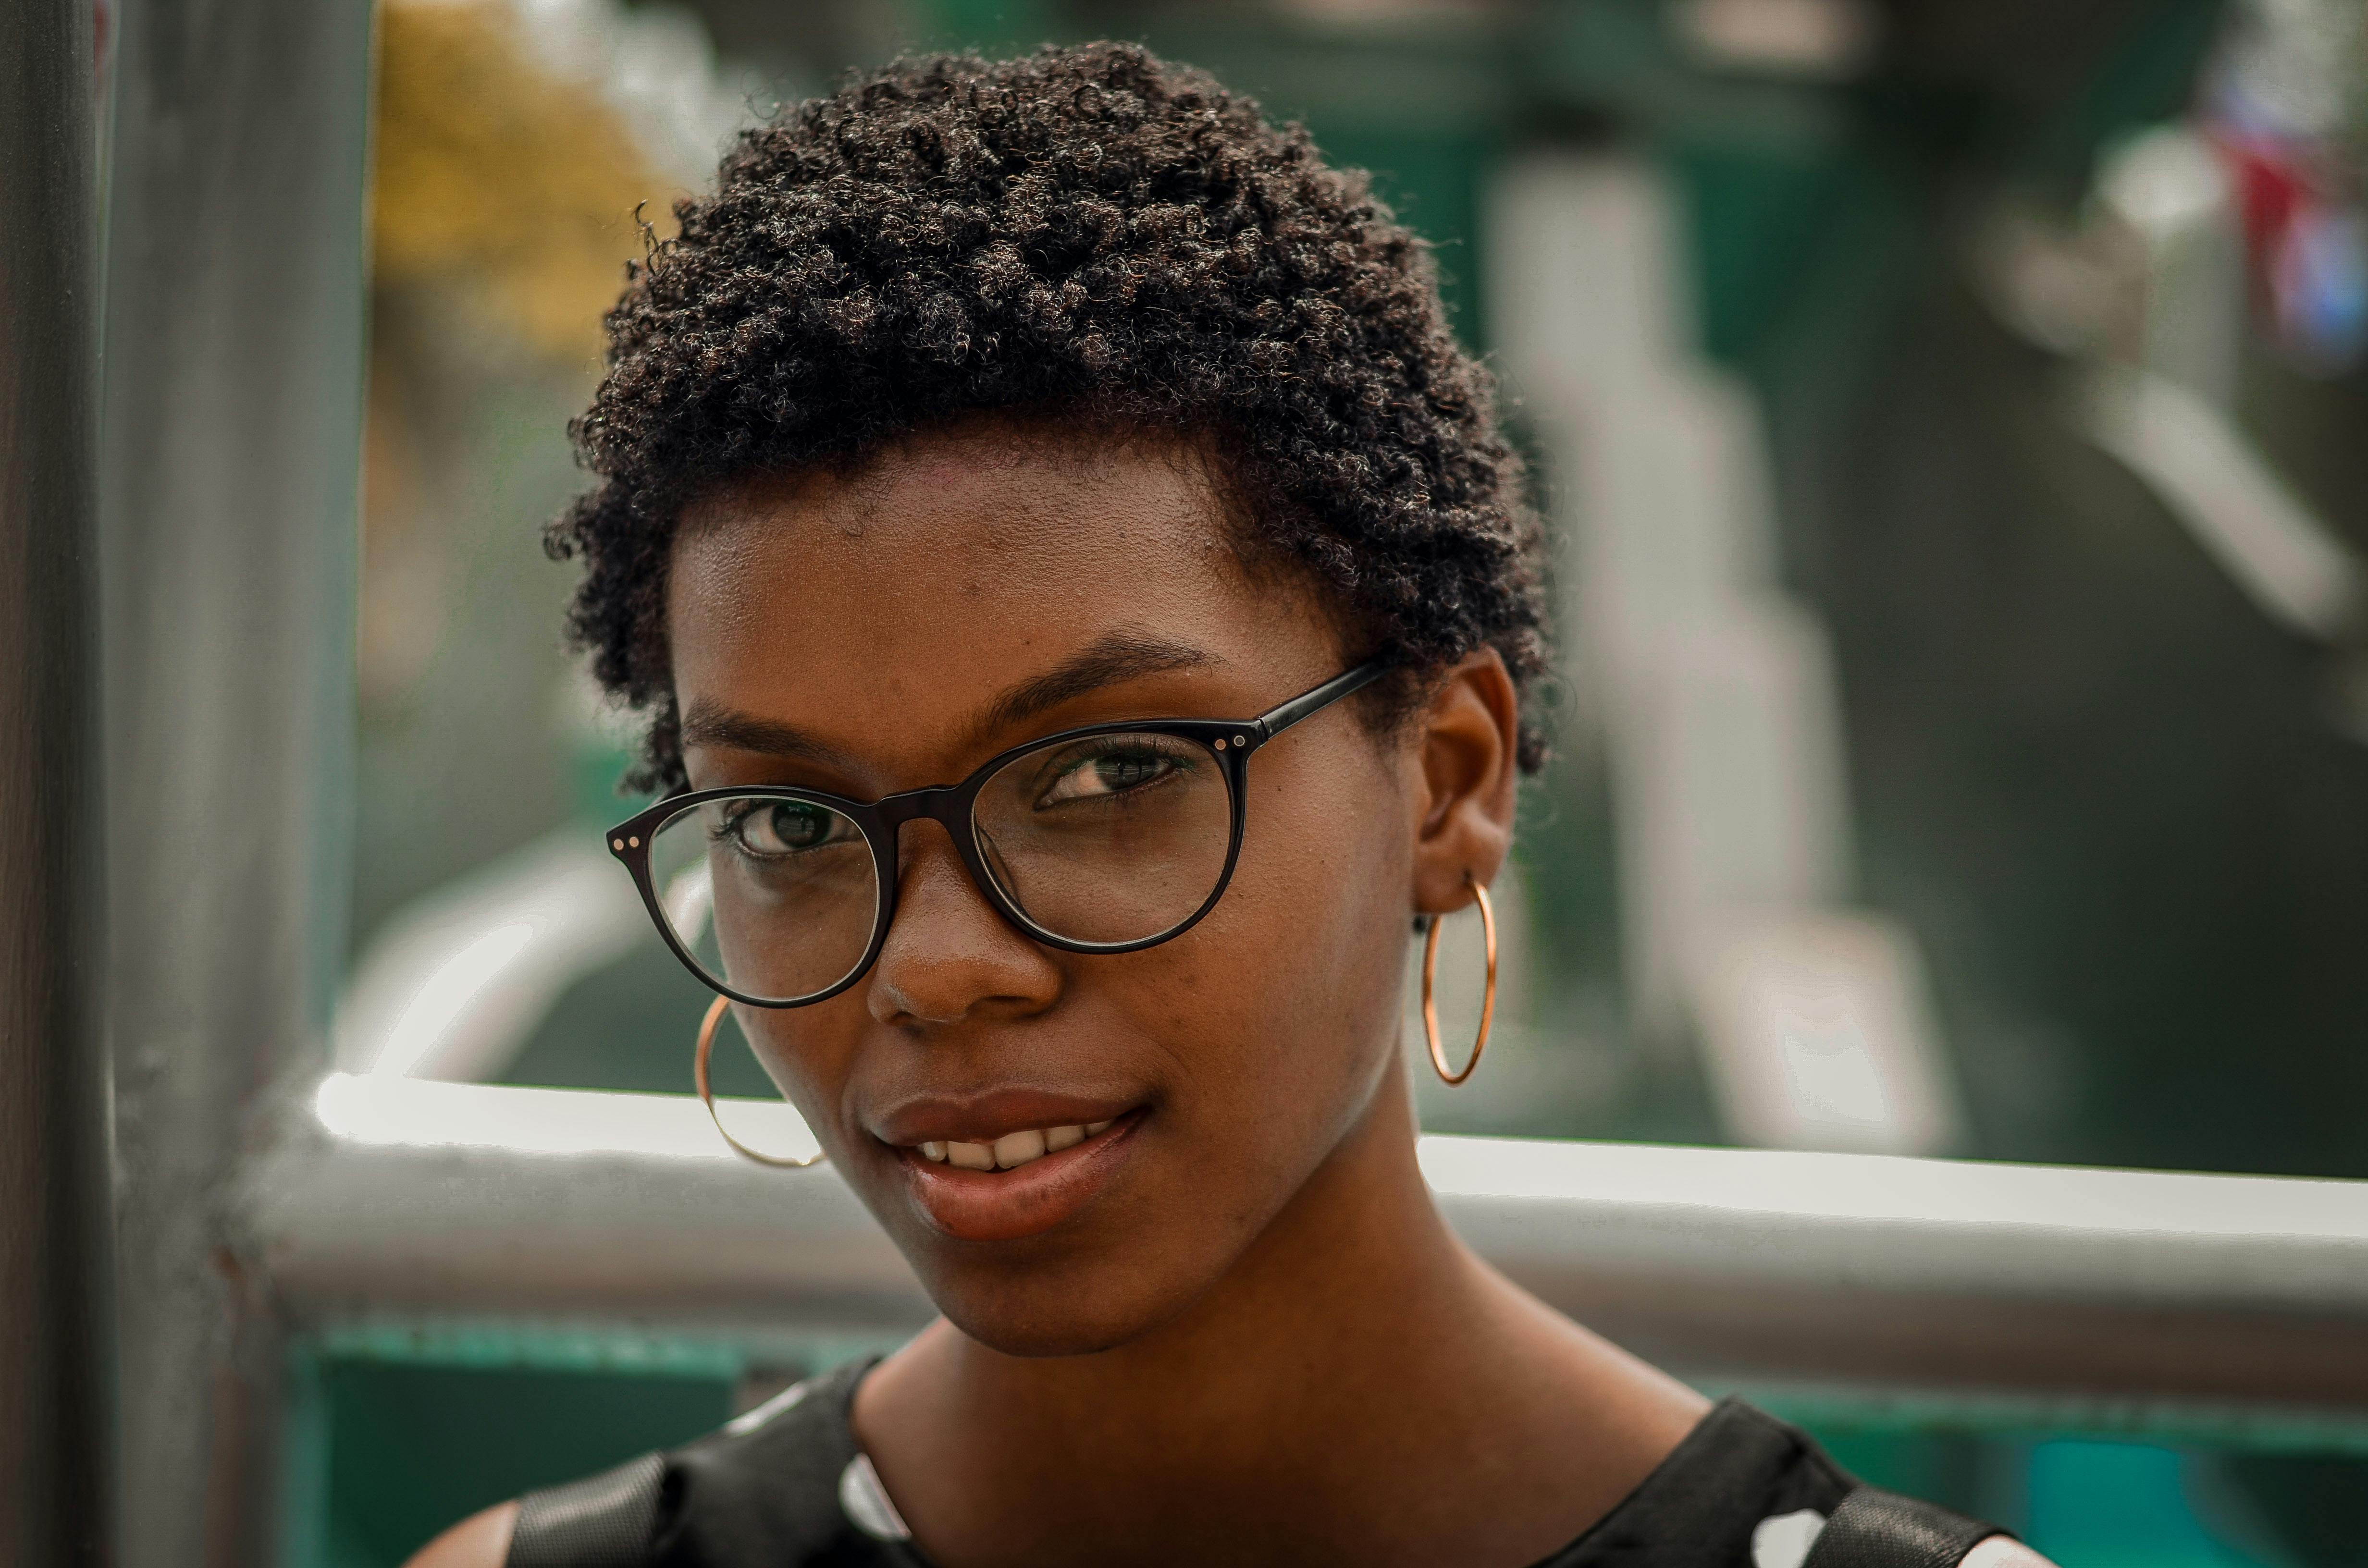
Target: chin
1049 1310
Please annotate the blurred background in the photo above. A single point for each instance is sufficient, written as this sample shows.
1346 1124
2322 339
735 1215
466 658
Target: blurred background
1950 417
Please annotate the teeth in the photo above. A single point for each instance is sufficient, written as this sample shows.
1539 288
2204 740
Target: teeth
1013 1148
1018 1148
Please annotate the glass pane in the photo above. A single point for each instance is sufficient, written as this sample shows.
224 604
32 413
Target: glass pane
1113 838
775 896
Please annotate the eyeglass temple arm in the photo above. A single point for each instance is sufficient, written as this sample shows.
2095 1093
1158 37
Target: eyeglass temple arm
1281 719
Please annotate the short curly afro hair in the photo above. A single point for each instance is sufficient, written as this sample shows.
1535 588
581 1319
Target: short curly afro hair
1089 233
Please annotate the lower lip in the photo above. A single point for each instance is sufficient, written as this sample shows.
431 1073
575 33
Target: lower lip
1026 1200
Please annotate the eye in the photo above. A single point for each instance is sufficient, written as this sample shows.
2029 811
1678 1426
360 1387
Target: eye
781 827
1112 771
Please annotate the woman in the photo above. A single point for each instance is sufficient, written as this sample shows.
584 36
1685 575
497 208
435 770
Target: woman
1084 607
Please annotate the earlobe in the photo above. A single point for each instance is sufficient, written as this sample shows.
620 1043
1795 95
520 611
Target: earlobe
1469 742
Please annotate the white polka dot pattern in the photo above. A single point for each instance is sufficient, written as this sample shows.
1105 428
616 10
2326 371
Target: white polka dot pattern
747 1420
1783 1541
865 1501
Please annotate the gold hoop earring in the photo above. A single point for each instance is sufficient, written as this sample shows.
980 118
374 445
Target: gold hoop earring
1487 1004
707 1097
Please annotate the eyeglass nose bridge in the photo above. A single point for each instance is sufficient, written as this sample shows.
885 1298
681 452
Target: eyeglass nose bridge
947 805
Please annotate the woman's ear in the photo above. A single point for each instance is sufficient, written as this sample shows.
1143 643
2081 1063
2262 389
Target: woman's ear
1468 741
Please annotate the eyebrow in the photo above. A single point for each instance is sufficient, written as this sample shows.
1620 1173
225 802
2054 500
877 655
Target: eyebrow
1113 657
711 723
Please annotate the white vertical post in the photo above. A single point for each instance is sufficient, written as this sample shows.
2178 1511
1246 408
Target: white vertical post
231 441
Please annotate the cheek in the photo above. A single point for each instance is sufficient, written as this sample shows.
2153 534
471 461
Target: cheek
806 1052
1298 983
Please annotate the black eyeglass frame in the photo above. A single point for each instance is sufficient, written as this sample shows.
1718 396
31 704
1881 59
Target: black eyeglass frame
1231 741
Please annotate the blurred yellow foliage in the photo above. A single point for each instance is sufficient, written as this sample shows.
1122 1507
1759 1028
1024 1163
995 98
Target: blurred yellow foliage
496 176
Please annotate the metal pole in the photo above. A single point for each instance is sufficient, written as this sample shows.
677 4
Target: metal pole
2098 1291
57 1428
231 433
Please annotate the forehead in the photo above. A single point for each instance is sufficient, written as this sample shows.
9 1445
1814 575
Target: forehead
1006 498
896 600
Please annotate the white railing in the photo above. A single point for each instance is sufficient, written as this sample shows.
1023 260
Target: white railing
2081 1290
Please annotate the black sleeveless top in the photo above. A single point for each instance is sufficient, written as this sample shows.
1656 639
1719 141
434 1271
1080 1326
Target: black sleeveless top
786 1486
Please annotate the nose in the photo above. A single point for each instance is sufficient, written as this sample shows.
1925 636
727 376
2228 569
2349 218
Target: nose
949 954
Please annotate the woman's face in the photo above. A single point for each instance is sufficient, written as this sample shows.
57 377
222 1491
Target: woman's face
966 592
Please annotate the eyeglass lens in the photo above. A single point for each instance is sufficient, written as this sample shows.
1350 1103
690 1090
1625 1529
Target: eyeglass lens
774 896
1110 839
1106 840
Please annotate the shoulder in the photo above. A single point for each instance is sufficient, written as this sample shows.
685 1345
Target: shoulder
766 1488
1873 1529
1736 1474
770 1488
1749 1462
1745 1487
481 1540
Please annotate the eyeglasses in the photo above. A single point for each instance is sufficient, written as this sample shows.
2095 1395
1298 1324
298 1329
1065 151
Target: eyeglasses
1099 840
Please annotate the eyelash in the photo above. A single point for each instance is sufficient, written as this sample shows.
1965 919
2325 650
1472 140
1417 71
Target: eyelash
729 830
1175 753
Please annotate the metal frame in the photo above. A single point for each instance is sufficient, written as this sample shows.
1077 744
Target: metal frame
2088 1296
57 1436
228 483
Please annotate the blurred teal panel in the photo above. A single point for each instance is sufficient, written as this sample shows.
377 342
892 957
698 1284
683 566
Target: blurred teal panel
1759 218
410 1449
991 26
2119 1505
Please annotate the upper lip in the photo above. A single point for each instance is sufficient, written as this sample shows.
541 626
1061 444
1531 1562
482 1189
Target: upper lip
984 1118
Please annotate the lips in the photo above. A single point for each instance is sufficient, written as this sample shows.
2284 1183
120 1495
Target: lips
1017 1183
